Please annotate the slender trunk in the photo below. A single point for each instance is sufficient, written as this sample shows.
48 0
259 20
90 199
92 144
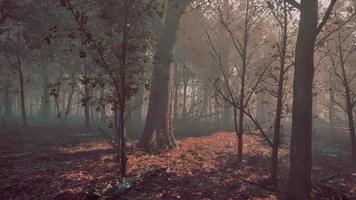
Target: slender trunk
78 104
332 103
226 112
22 89
175 97
64 95
242 89
137 113
57 94
45 103
348 96
7 102
122 92
280 95
70 99
102 106
86 99
299 185
216 110
185 87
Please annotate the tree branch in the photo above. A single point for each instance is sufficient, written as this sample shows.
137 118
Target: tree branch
326 16
294 3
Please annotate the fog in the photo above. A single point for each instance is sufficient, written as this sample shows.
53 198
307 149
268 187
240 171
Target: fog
149 99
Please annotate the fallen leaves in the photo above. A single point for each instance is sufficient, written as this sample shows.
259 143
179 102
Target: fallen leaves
200 168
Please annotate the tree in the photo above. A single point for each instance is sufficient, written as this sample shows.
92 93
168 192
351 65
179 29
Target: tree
158 131
246 51
121 59
340 59
299 184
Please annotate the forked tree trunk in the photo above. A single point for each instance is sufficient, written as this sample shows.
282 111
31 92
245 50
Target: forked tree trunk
299 185
158 132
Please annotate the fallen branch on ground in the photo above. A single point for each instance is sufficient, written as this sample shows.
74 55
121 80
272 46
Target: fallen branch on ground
115 191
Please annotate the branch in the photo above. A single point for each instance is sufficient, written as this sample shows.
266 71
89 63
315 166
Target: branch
326 17
295 4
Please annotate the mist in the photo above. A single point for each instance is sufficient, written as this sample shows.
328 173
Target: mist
177 99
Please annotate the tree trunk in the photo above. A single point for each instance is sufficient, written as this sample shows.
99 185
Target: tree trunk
137 113
102 106
22 91
260 108
122 93
280 95
299 185
158 132
227 114
242 89
348 96
70 99
185 87
332 103
175 96
7 102
86 99
45 103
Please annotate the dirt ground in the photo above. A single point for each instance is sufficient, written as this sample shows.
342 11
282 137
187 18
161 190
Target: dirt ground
64 163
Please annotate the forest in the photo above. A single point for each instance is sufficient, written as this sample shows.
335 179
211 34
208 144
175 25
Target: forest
177 99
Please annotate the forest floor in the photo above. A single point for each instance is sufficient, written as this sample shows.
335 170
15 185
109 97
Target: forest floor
44 164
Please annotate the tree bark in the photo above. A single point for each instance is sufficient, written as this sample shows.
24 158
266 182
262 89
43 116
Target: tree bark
280 95
242 89
299 185
158 132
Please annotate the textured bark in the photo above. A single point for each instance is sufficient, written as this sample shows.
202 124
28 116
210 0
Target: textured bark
158 132
299 185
